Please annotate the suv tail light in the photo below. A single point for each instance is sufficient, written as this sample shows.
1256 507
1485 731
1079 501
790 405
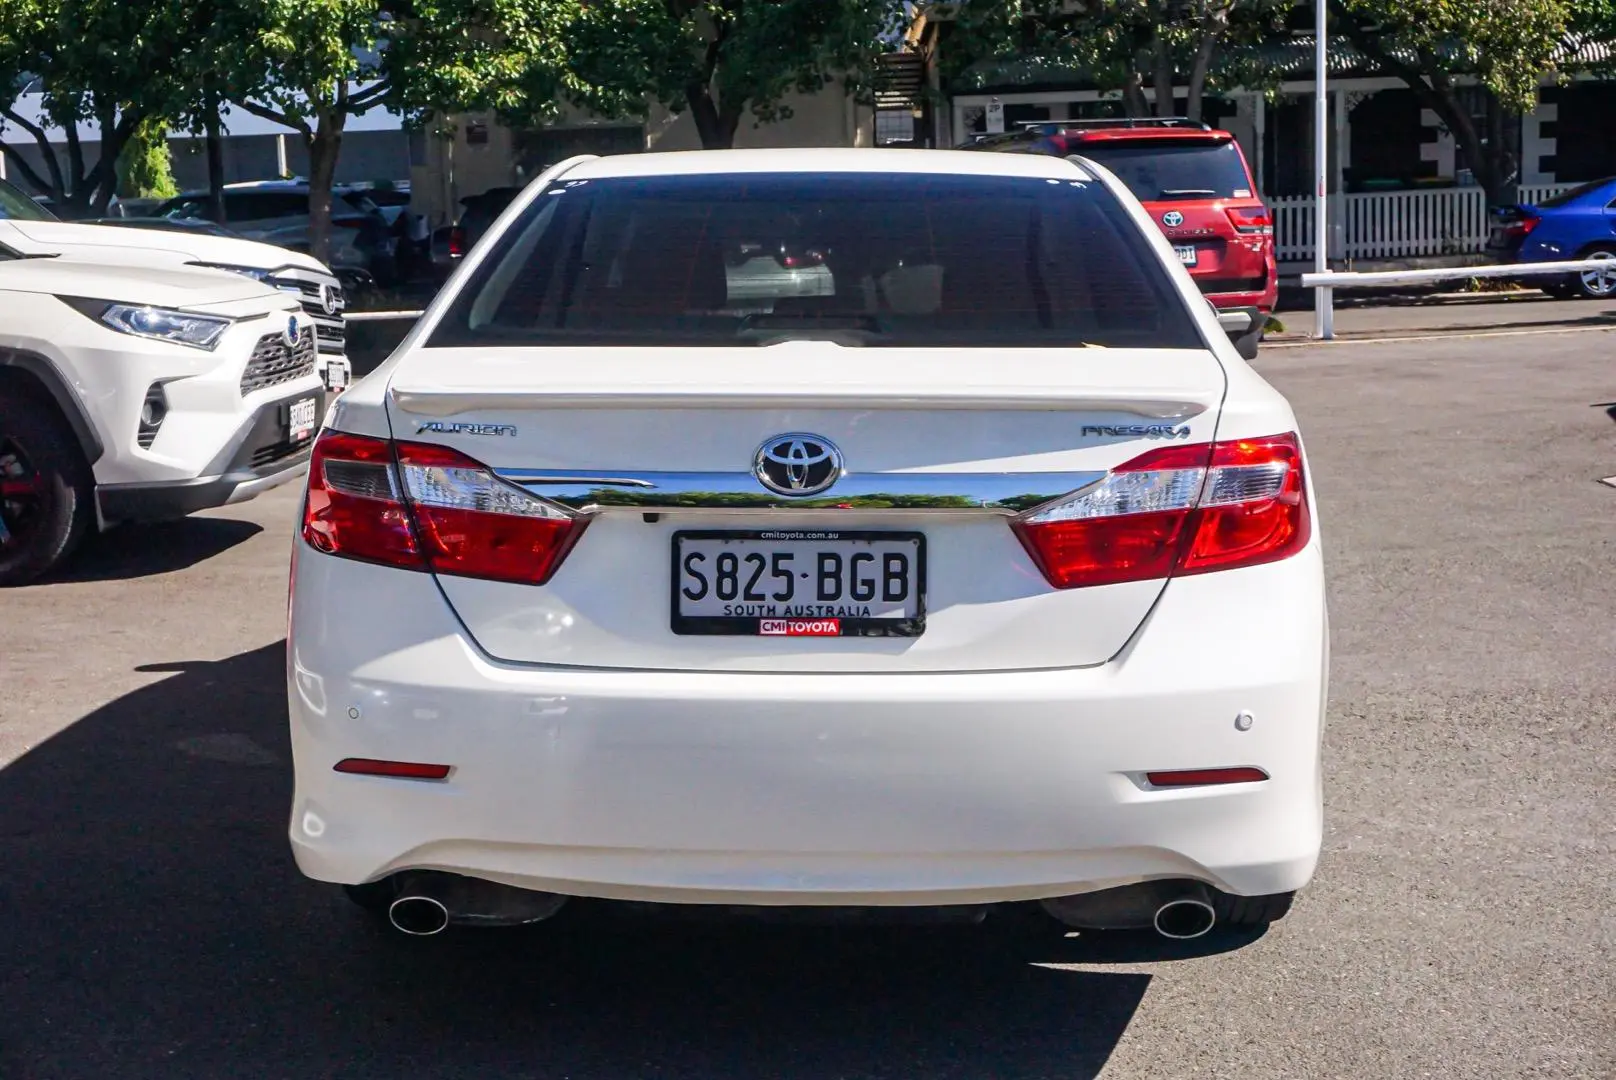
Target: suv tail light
1253 220
457 242
422 507
1176 510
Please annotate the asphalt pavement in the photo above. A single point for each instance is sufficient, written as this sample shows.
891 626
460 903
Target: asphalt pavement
1461 924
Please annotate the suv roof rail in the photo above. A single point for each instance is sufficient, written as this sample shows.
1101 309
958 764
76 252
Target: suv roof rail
1122 122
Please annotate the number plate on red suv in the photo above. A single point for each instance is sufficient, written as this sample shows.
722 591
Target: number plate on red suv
799 583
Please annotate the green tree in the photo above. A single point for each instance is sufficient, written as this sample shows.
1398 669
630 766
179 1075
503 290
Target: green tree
1434 46
718 59
313 65
1121 45
146 168
109 63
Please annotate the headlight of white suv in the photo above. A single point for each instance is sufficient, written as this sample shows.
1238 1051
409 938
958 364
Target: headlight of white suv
159 324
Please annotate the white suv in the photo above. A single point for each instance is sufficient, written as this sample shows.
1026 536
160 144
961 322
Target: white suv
142 392
986 573
29 231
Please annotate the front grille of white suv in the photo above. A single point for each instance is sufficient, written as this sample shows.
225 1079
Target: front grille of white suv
274 362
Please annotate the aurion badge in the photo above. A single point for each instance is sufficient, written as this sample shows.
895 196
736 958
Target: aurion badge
797 464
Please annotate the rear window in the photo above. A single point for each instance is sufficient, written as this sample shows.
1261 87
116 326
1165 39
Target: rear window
899 260
1161 171
1566 198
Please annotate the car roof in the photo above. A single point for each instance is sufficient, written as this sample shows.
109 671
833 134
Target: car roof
825 160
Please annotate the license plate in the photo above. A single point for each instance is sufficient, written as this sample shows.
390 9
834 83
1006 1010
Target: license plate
1185 253
300 419
336 376
799 583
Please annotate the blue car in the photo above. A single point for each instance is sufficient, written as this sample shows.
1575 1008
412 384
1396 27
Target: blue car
1576 224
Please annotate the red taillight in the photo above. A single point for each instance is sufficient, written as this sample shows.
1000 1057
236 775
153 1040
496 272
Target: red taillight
403 770
419 506
457 242
1176 510
1251 219
1519 228
1205 777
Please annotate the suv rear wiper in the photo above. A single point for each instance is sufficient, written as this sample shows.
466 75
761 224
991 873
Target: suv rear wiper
1188 193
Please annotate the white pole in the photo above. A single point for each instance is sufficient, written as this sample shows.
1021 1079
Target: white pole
1323 297
281 169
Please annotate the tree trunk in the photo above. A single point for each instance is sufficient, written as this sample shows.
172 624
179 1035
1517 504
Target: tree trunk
324 145
1134 104
1204 51
715 124
215 154
1163 80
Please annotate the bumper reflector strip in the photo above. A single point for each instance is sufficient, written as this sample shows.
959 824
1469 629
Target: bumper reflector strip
1205 777
404 770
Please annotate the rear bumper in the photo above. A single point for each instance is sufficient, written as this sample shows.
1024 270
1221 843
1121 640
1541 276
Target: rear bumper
887 789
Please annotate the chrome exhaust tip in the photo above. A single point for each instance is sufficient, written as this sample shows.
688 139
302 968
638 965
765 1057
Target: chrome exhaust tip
1184 919
418 916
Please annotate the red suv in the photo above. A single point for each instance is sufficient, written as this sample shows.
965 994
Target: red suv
1195 184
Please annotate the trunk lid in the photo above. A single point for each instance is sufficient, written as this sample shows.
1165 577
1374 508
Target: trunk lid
939 444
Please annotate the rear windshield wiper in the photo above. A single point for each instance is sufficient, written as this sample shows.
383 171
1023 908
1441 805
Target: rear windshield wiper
1188 193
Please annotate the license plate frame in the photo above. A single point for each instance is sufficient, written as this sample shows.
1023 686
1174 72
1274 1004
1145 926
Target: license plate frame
1187 254
752 626
300 428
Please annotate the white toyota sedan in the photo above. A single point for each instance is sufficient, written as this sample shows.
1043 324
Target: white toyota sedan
984 573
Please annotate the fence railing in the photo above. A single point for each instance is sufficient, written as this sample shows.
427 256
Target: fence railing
1393 224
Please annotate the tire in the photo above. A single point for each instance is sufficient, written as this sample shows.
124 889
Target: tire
46 490
1596 288
1251 911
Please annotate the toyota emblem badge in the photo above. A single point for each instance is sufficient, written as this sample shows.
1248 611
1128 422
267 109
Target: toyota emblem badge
1172 219
797 465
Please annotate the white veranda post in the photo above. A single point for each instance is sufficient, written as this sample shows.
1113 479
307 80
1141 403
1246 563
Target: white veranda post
1323 297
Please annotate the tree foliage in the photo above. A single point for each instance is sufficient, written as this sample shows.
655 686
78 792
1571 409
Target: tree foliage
1123 45
1434 46
146 167
111 63
313 65
718 59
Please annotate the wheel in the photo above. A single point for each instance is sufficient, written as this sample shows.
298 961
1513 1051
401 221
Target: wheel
1251 911
46 491
1597 284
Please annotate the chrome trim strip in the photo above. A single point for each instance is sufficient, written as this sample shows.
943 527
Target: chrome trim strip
1004 493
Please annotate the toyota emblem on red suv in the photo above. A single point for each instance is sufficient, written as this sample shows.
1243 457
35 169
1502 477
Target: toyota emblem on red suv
1172 219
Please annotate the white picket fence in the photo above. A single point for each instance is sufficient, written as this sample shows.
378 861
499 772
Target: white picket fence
1393 224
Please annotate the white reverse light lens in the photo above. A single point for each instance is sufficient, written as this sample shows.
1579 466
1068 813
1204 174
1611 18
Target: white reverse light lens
161 324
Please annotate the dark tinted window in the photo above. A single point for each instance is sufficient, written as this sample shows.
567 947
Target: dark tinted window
16 206
890 260
259 205
1163 170
1565 198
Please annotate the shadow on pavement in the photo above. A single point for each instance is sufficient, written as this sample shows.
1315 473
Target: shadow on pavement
134 551
156 927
